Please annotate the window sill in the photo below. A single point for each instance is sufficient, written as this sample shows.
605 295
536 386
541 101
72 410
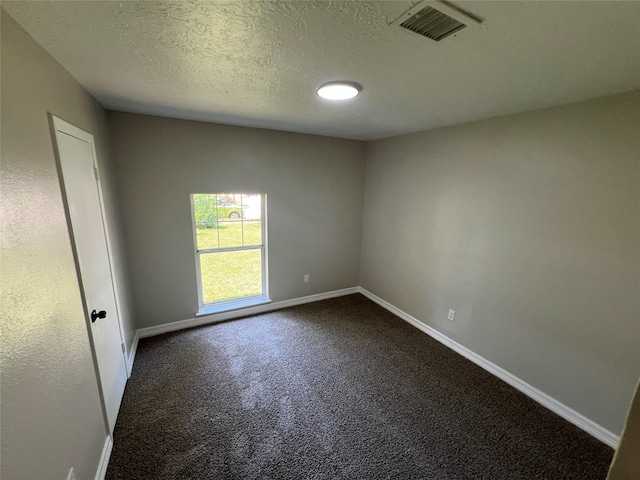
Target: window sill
232 305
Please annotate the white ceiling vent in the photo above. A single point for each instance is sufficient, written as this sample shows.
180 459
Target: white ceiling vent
436 19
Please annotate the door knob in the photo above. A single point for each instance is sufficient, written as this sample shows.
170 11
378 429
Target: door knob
96 315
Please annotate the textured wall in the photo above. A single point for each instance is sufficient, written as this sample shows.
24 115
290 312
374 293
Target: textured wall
51 411
529 227
314 185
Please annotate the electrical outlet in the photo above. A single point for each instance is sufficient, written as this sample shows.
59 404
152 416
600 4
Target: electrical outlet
71 475
452 315
306 279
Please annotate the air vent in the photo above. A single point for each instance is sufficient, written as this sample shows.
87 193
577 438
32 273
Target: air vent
435 20
432 24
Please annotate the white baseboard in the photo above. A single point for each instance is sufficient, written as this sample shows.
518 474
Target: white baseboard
132 353
542 398
104 458
245 312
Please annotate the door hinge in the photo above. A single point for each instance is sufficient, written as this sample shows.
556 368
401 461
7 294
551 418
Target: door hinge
124 349
95 173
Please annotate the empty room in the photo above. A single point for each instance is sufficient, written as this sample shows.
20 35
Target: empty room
320 240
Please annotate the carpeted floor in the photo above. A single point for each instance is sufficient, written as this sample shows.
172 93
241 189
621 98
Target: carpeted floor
338 389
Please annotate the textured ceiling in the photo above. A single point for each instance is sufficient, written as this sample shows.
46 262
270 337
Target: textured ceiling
259 63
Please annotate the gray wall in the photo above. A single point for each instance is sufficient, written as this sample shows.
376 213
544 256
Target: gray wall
315 190
51 410
529 227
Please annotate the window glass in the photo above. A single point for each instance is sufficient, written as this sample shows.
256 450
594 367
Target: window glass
230 250
230 275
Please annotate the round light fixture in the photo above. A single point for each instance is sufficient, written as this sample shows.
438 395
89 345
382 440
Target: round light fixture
339 90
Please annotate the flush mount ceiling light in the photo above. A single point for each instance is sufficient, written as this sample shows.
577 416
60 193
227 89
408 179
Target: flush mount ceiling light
339 90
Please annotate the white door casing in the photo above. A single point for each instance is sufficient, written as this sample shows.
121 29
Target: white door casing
88 229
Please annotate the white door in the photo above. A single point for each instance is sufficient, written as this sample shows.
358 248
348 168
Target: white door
82 190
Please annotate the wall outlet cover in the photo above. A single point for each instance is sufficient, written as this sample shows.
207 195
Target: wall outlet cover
452 315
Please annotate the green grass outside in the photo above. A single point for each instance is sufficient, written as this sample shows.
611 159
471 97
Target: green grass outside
230 275
230 234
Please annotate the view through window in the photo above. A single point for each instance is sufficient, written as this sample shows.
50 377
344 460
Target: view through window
230 247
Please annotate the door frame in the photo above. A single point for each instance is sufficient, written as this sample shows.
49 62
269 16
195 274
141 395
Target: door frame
59 125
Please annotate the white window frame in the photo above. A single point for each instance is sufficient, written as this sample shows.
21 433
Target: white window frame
236 303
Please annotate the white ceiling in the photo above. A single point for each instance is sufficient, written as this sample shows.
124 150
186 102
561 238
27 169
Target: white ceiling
259 63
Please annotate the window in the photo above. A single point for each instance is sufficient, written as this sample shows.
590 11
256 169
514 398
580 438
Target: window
231 255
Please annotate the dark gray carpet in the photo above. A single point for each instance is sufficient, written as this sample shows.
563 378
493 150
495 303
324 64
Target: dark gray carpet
338 389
